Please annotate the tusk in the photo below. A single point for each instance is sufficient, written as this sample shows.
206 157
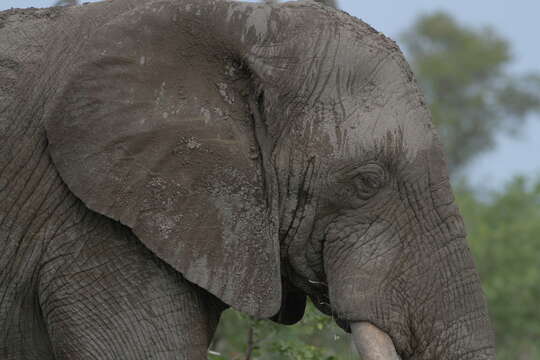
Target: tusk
372 343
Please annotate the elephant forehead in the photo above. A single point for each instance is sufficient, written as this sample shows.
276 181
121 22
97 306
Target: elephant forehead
394 124
368 109
388 107
387 127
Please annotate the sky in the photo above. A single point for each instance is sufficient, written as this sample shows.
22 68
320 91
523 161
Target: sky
517 21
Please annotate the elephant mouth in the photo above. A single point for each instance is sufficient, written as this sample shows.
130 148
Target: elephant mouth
323 304
372 343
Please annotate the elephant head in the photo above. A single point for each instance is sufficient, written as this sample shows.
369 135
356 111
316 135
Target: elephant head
273 151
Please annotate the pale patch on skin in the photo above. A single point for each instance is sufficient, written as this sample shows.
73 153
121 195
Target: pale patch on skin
257 20
207 116
193 144
394 108
166 224
367 130
222 88
219 112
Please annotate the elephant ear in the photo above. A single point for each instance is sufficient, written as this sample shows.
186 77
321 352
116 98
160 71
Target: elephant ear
153 130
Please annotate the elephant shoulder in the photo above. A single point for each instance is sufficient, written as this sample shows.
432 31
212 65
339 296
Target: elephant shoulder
12 18
23 30
22 46
9 70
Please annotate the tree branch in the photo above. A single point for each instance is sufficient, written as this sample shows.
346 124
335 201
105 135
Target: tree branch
250 343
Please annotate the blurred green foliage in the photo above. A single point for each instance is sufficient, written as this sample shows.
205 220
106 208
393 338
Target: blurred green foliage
315 337
504 235
66 3
463 72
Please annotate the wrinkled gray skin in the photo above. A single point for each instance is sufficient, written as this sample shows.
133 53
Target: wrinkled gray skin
161 160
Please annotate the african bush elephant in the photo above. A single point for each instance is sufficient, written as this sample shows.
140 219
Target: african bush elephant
163 160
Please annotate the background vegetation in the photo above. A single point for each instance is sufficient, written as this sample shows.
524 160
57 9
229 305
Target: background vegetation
472 99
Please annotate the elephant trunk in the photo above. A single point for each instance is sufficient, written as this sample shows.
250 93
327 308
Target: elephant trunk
427 311
449 317
451 321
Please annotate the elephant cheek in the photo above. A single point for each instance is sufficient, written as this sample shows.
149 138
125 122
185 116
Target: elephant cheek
351 295
362 280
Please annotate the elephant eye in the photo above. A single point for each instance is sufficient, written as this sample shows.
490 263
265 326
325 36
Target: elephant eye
368 179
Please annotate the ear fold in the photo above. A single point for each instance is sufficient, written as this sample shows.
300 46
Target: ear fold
293 305
152 131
